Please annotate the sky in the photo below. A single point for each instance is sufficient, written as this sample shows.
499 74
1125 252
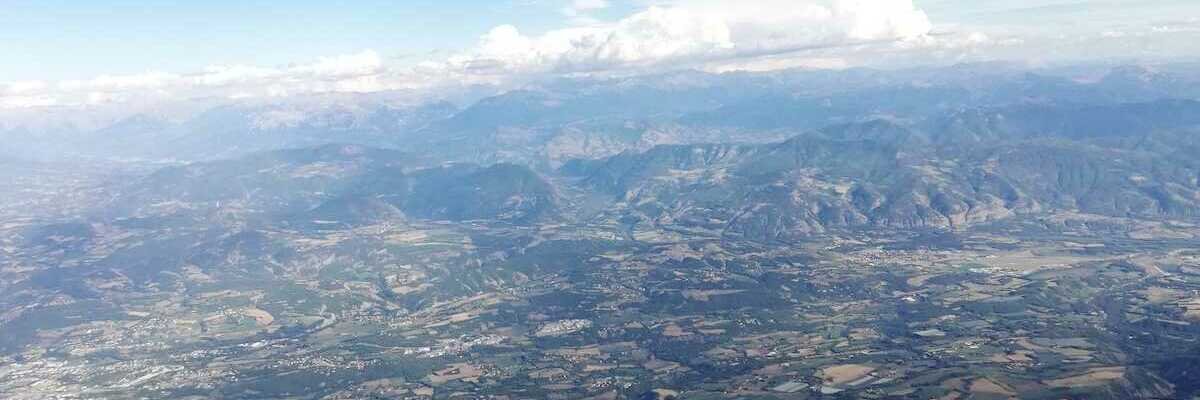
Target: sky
78 53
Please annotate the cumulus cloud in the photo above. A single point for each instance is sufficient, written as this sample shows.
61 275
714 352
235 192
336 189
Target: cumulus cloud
22 87
774 63
149 80
578 7
709 34
27 101
358 72
589 4
697 31
345 66
225 75
24 94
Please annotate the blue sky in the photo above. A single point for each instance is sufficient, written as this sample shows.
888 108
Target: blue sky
61 39
102 50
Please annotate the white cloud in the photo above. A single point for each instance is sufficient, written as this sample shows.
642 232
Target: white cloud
345 66
590 4
222 75
578 7
970 40
350 66
712 34
27 101
19 88
696 31
360 72
149 80
774 63
99 98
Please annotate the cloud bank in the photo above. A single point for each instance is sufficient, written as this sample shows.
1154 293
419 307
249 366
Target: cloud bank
677 34
697 31
712 35
358 72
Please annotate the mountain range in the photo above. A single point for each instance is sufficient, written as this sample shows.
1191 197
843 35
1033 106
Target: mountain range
546 123
974 231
